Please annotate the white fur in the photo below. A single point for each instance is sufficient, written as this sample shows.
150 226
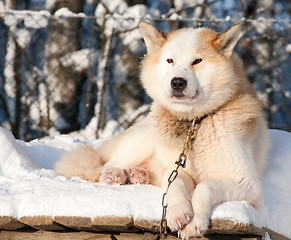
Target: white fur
227 158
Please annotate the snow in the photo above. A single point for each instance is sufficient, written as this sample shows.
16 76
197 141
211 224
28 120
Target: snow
38 19
2 6
124 18
228 18
277 187
241 212
50 4
23 37
112 127
31 19
267 237
175 17
81 60
65 12
29 187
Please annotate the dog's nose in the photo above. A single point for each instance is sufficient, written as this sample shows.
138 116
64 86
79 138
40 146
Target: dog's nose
178 83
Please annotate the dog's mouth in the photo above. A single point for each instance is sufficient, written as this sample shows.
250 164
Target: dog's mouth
180 97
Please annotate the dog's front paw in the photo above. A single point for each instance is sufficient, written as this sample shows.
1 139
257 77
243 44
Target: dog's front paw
114 176
196 228
138 175
179 216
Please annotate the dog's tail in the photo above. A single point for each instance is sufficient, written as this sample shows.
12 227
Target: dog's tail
82 162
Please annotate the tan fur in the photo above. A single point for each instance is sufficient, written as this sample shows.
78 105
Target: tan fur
226 159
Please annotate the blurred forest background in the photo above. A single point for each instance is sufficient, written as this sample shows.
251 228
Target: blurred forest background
72 66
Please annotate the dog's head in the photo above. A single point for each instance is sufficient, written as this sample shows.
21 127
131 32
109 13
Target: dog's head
190 70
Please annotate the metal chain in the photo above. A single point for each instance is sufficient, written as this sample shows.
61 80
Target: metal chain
191 134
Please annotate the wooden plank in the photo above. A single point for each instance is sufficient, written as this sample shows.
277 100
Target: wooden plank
229 237
220 229
171 237
220 237
41 223
77 223
46 235
217 227
250 238
150 236
152 226
229 227
131 236
139 236
115 224
9 223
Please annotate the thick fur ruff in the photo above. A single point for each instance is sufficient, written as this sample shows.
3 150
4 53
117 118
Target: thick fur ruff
190 73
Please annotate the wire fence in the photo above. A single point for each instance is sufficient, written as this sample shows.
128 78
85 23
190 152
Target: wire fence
79 74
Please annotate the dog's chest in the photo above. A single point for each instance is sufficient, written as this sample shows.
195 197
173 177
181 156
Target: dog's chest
174 131
201 149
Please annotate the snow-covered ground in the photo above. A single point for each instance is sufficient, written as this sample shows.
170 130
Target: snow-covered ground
29 187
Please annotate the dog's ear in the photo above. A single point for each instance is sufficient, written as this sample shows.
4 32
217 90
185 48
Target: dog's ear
226 41
154 39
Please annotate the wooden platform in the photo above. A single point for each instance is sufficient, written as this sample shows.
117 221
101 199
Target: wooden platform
115 228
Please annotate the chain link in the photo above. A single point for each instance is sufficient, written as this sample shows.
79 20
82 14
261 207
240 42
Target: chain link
181 162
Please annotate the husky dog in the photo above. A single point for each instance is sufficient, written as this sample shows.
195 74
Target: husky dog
189 74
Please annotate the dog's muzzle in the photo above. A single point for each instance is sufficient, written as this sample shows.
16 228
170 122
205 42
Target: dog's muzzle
178 86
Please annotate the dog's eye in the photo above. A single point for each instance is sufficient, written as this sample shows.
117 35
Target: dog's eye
170 60
196 61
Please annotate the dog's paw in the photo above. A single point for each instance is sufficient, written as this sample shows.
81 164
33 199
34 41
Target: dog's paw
179 216
114 176
196 228
138 175
201 224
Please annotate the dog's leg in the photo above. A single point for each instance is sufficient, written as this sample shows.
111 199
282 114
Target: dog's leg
210 193
178 200
127 151
107 163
